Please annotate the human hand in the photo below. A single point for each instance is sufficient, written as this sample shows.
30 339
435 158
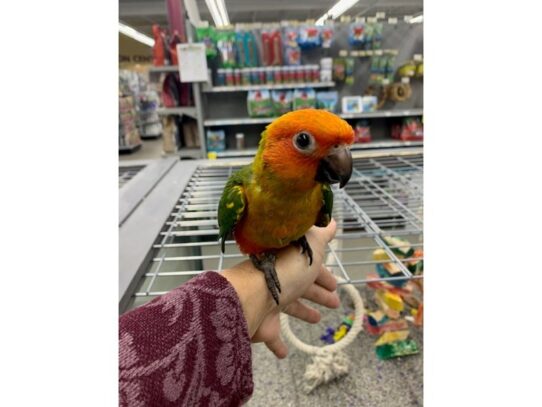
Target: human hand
298 280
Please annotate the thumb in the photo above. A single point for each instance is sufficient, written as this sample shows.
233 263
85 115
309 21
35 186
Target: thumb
329 231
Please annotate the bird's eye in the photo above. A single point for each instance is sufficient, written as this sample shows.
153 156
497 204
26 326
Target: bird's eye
304 141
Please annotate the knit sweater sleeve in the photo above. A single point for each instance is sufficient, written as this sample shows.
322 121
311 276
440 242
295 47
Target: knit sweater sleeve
189 347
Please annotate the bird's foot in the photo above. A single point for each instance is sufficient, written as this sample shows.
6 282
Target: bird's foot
266 264
305 247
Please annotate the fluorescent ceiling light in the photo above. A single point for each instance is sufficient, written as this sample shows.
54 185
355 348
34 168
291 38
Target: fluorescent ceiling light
417 19
217 8
136 35
337 10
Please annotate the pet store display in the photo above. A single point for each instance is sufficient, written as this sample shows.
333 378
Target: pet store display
128 132
149 122
409 129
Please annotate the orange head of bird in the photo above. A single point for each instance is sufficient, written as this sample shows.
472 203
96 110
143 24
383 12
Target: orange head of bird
309 145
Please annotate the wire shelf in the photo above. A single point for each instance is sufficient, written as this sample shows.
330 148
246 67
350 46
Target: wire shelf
127 173
383 198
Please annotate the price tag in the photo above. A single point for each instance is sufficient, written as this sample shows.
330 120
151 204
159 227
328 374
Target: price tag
407 18
418 57
378 52
371 19
380 14
343 53
385 81
392 20
405 79
369 53
362 19
362 53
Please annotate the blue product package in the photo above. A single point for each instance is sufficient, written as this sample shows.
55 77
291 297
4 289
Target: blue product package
356 34
309 36
327 100
216 140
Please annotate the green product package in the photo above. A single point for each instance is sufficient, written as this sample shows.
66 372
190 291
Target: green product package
282 101
225 42
327 100
349 71
259 103
207 36
304 99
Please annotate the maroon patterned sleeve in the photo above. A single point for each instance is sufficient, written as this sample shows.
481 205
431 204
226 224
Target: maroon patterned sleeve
189 347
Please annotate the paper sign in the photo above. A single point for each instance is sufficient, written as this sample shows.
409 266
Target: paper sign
192 62
371 19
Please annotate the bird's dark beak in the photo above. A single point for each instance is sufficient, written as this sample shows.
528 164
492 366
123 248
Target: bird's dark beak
335 167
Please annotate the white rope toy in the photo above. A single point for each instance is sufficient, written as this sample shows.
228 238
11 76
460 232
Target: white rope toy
328 362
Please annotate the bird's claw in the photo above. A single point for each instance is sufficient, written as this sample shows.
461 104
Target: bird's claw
305 247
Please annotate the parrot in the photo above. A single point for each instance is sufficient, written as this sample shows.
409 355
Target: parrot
273 201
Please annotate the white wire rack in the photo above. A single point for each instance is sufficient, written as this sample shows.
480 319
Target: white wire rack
127 173
383 198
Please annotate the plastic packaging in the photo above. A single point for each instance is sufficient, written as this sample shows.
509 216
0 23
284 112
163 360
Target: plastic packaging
326 34
292 52
216 140
304 99
221 77
309 36
327 100
259 103
282 101
225 42
356 33
207 35
362 132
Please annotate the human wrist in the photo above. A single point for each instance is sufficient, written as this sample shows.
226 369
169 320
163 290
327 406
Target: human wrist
250 286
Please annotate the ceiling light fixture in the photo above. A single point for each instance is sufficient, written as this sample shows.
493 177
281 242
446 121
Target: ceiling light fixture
337 10
218 11
136 35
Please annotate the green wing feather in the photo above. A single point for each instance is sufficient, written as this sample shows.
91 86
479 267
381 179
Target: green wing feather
324 217
232 203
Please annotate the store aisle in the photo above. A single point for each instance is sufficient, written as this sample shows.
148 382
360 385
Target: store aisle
150 150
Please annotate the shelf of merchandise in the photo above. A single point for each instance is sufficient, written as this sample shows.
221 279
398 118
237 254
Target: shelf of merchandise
169 68
270 87
189 111
250 152
264 120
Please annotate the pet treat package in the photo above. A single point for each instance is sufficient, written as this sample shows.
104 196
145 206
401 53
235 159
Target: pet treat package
292 52
356 34
309 36
369 103
410 129
282 101
271 47
216 140
326 34
207 36
362 132
225 42
327 100
304 99
259 103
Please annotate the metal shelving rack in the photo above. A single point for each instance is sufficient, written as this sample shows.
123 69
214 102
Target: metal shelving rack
383 198
366 115
270 87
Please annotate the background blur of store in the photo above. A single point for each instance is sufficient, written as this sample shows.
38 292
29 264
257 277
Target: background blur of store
365 64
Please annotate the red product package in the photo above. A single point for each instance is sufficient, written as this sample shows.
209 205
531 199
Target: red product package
410 130
363 132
